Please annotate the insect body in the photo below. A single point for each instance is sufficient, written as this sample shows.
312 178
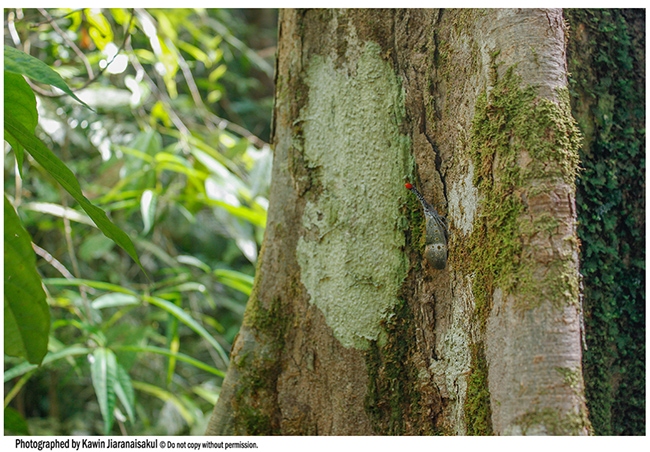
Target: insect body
436 241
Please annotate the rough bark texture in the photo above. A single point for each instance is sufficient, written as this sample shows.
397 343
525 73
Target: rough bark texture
348 331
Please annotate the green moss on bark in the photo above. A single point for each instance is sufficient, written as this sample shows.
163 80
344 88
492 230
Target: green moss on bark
258 364
521 146
478 414
394 398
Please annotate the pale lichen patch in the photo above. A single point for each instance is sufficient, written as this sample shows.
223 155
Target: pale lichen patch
351 254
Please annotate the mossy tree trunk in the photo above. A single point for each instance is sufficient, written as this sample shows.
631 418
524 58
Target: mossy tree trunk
348 330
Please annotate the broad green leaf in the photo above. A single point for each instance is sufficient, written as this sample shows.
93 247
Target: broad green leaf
14 423
103 371
124 391
189 321
60 172
26 313
20 103
20 63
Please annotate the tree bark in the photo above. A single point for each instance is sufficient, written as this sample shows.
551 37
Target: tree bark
348 330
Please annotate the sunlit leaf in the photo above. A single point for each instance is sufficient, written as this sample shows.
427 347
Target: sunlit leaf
245 213
58 211
26 313
114 300
217 73
158 111
237 280
100 29
148 203
195 52
194 261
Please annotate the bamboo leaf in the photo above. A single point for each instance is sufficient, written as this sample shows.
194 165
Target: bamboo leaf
124 391
103 371
20 103
62 174
26 312
20 63
184 317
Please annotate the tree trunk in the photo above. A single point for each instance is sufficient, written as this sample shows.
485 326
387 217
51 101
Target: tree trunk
348 330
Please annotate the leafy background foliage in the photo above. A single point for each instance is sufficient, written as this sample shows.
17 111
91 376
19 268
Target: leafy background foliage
607 65
173 149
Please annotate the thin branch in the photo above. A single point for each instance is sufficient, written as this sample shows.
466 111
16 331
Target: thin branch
209 117
158 93
68 41
47 257
92 78
52 19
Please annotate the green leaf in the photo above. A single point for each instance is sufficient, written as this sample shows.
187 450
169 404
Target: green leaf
148 203
58 211
95 246
100 30
20 103
62 174
15 423
236 280
20 63
23 368
165 396
87 282
189 321
26 313
124 391
193 261
179 356
103 371
113 300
